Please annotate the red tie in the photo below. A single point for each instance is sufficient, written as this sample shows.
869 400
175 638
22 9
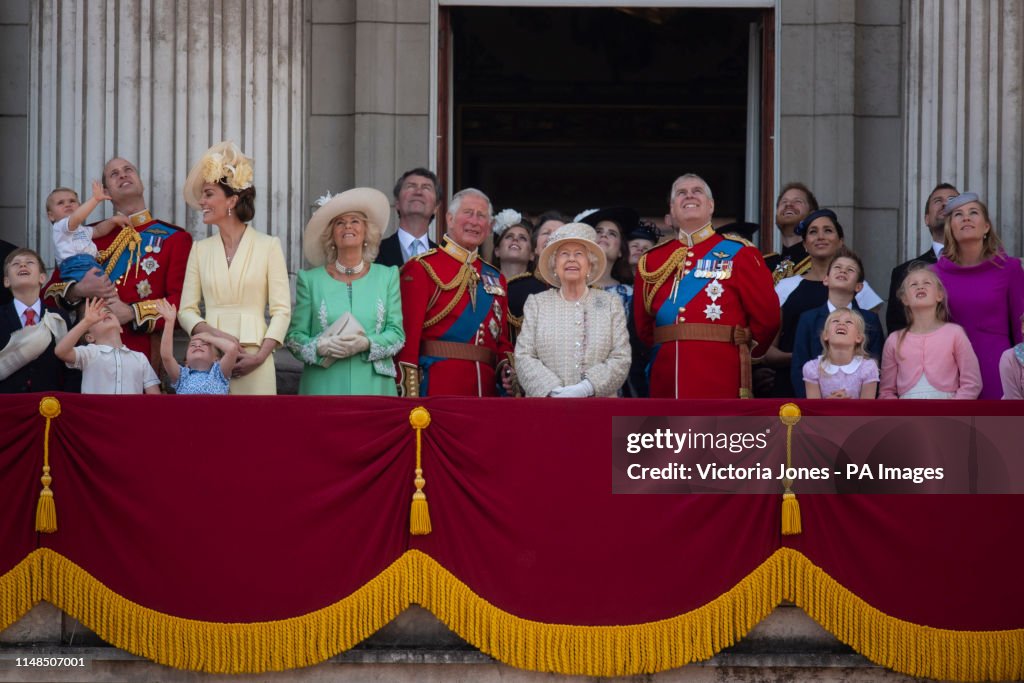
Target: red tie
30 317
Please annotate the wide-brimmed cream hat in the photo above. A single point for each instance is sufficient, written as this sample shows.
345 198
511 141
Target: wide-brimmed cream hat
366 200
224 162
571 232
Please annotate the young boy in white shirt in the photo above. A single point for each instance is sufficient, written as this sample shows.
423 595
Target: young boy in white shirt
72 238
107 365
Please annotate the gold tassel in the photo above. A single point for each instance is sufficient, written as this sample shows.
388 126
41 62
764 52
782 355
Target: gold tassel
46 508
789 414
419 516
790 514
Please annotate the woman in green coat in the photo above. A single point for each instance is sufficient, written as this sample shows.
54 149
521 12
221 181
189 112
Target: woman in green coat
346 324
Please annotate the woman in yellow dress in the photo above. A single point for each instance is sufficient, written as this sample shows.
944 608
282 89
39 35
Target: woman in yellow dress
236 273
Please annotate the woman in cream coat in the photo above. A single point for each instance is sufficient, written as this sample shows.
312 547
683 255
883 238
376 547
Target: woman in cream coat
574 341
236 273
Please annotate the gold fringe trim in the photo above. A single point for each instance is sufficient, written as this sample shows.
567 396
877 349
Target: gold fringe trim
224 648
559 648
20 589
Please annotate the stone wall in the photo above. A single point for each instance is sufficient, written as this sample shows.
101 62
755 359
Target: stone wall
14 30
787 645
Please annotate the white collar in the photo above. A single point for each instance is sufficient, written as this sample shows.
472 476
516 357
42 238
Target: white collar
104 348
20 309
832 307
406 240
937 248
848 369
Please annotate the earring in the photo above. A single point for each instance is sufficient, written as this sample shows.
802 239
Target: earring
229 210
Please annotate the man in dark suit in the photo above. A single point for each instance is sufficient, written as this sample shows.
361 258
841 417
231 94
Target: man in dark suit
416 197
934 219
28 362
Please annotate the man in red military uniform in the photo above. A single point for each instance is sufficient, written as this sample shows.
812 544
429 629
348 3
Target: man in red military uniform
455 311
143 262
704 302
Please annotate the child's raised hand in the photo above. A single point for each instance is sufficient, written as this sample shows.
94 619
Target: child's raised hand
205 337
120 219
167 311
99 193
94 311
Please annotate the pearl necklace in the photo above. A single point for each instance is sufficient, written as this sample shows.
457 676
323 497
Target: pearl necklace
355 270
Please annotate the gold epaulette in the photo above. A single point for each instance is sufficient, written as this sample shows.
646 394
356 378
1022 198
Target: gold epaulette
736 238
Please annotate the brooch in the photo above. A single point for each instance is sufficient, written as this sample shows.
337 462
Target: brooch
149 264
143 288
714 290
493 327
496 307
713 311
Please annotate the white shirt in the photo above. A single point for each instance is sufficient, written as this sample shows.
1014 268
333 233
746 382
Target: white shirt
106 370
20 309
406 240
68 244
867 299
937 248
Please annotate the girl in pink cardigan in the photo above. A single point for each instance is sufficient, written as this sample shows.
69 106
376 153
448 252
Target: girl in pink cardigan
930 358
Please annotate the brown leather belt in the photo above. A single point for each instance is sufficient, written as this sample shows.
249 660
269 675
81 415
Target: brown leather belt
457 351
733 334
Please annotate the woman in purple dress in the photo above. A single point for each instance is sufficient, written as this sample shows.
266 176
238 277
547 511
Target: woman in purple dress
985 286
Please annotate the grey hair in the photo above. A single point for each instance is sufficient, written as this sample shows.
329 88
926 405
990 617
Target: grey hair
592 274
374 234
690 176
456 203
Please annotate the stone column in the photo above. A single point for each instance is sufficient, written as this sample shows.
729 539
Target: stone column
964 109
158 82
14 30
840 117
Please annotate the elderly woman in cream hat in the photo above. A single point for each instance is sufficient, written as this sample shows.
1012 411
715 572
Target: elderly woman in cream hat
347 323
238 273
574 341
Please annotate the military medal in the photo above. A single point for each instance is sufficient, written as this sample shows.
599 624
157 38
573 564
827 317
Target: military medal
494 329
713 311
725 270
156 247
149 264
714 290
143 288
492 285
496 307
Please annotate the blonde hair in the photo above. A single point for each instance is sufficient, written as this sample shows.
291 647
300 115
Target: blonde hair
55 191
941 307
990 246
858 322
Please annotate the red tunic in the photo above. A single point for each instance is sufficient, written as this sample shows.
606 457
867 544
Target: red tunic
430 284
705 369
140 283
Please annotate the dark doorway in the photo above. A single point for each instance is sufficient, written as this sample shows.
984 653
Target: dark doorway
577 108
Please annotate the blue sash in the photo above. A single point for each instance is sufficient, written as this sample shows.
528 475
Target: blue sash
463 330
688 288
151 236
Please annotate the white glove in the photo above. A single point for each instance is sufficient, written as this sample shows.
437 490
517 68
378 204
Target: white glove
323 345
356 343
579 390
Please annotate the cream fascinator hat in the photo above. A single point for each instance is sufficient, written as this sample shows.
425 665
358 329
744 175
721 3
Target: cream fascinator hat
372 203
223 162
571 232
